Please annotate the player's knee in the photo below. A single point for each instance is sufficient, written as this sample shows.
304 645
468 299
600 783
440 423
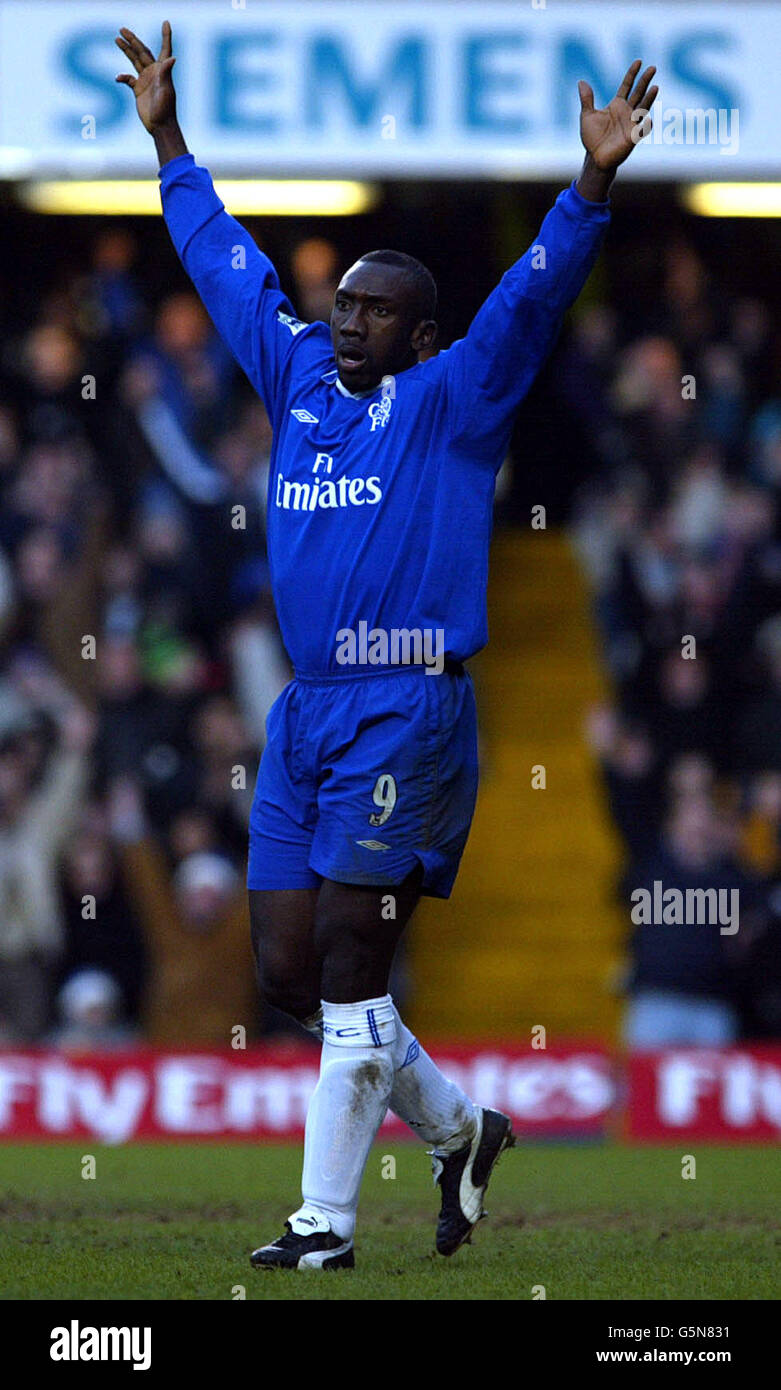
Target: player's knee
281 982
281 987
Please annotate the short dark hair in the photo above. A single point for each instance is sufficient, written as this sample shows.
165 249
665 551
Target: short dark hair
424 286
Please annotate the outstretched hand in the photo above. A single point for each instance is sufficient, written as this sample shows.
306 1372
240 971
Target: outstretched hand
611 134
153 88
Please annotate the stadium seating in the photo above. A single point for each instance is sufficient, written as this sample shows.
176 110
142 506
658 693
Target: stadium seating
529 936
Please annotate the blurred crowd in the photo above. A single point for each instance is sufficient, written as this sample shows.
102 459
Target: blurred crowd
679 529
138 658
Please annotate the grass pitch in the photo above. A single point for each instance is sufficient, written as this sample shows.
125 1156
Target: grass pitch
177 1221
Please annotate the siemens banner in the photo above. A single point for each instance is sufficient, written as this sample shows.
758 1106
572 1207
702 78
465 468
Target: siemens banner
430 88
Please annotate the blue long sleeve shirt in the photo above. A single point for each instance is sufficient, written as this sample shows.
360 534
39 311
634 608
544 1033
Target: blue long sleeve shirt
380 506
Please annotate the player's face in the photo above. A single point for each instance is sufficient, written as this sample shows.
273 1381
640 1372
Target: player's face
373 326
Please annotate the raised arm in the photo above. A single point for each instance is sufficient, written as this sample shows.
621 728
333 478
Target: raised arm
488 372
610 135
154 91
235 280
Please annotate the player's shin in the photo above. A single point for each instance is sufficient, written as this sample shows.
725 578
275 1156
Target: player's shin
437 1110
347 1107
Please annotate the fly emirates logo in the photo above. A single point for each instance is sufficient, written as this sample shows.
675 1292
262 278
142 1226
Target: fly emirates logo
322 491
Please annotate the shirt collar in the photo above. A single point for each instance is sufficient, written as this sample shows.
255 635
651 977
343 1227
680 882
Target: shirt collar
333 376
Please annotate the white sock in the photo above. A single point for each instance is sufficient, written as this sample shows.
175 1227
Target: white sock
437 1110
347 1107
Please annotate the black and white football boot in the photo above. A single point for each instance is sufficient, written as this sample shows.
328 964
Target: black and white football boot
463 1178
308 1243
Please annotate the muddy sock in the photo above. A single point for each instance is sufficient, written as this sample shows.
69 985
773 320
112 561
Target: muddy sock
347 1107
437 1110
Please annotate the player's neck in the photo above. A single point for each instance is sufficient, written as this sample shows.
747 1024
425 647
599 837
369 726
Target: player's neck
355 395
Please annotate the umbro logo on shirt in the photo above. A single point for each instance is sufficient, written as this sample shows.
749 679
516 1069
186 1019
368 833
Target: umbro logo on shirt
372 844
306 417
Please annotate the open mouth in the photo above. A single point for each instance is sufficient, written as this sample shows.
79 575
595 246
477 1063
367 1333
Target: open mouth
351 358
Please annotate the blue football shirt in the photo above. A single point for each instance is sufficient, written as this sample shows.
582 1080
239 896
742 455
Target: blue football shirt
380 505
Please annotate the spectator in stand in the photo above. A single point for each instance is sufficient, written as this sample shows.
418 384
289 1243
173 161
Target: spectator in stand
685 712
586 366
89 1005
759 731
115 308
102 933
46 385
315 266
631 777
226 768
201 981
761 825
657 424
38 804
142 732
685 980
194 370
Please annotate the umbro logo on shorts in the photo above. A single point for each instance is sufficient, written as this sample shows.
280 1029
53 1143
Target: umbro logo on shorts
306 417
372 844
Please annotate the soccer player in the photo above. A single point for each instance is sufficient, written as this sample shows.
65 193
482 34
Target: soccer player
379 518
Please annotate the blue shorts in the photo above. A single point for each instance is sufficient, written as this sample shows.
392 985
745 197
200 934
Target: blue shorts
362 778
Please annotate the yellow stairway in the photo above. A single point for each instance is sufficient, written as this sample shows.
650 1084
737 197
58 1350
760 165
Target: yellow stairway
530 935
